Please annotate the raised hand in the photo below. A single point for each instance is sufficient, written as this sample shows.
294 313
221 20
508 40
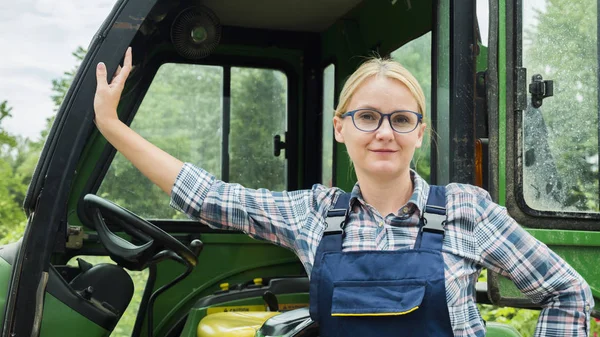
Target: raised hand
107 94
160 167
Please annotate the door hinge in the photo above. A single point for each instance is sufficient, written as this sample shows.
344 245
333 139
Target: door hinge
540 89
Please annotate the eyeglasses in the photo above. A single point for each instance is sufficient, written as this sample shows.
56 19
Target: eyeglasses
369 120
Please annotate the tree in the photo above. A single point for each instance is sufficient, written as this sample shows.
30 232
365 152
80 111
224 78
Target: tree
18 158
6 140
12 188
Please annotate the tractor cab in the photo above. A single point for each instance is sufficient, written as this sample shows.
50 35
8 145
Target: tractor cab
246 90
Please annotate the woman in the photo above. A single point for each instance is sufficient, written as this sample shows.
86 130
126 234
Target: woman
385 278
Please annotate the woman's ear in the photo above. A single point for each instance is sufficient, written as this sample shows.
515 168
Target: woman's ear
421 130
337 129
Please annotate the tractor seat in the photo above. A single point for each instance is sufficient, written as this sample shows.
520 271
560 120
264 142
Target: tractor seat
233 324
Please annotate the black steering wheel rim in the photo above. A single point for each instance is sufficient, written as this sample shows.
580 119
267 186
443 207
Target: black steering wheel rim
137 257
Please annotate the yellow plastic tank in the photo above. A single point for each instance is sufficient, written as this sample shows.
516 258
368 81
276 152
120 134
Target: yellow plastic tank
233 324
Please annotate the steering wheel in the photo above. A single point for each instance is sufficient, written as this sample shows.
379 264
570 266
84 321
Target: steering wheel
157 243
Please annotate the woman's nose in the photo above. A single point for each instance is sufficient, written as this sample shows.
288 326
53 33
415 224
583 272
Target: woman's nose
385 129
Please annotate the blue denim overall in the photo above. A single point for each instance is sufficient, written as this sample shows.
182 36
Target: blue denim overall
382 293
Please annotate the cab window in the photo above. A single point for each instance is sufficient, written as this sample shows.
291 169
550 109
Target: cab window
560 118
416 57
222 119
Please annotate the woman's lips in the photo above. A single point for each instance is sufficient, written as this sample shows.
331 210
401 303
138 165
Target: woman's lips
383 151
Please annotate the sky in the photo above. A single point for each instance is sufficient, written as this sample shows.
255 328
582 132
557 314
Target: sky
37 39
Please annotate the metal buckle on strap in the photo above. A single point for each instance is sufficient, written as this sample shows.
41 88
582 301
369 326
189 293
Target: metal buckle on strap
336 221
433 222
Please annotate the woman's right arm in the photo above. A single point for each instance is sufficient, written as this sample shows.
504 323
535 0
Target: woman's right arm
278 217
157 165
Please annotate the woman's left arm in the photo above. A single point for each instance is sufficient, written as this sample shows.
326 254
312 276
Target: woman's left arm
506 248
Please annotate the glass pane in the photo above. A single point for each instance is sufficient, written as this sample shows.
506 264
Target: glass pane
181 114
416 57
328 108
258 113
560 137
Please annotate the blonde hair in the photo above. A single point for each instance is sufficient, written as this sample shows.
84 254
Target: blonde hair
380 67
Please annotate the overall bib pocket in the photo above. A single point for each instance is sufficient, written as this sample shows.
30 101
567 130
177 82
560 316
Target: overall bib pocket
376 308
376 298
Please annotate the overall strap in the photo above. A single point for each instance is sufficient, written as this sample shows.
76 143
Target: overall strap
330 242
433 220
336 219
336 216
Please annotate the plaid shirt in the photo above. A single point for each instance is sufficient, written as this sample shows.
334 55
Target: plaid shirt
479 234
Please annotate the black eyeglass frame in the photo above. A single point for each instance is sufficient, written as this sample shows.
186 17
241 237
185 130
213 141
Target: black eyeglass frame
383 116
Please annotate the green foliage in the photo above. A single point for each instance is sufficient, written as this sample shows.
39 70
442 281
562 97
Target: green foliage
524 320
12 217
6 140
12 186
594 327
18 158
